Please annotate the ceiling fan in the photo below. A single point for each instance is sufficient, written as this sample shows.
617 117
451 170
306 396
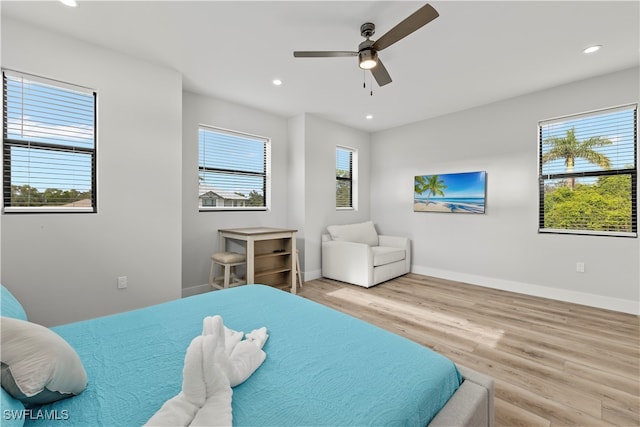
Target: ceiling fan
368 50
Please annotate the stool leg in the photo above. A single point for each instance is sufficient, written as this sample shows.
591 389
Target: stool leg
212 273
215 281
212 276
227 274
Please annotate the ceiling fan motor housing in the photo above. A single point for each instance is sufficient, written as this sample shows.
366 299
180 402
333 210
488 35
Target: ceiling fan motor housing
367 29
368 57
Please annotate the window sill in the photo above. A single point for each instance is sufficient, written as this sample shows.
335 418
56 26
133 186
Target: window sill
46 209
586 232
256 209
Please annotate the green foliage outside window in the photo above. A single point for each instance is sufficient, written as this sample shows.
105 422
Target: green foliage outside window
255 199
27 196
602 206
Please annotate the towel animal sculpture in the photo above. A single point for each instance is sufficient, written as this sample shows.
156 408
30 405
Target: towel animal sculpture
216 361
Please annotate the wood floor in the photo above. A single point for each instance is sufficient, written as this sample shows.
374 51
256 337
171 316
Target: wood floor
553 363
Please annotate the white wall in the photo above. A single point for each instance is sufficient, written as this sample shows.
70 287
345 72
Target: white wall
200 229
502 248
63 267
302 182
297 180
321 138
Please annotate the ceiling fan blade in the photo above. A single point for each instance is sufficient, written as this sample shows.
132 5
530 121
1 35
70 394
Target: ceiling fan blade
323 54
381 74
413 22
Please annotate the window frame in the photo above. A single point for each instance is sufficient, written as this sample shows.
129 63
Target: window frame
54 148
632 172
352 179
265 176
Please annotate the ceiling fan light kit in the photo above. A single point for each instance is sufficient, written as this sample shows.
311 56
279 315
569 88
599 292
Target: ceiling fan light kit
368 50
368 59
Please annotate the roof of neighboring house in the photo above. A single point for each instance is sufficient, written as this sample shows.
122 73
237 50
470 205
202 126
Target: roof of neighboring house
211 192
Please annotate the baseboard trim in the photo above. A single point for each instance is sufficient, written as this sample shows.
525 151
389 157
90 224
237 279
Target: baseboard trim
582 298
200 289
311 275
195 290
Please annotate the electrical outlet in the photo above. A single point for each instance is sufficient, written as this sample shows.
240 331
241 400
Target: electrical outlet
122 282
580 267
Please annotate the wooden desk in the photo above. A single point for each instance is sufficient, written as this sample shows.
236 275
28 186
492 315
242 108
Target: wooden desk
271 254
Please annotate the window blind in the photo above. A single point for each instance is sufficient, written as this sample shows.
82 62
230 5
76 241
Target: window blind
233 170
588 173
344 178
48 145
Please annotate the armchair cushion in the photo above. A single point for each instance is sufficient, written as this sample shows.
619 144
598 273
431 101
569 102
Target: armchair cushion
364 232
386 255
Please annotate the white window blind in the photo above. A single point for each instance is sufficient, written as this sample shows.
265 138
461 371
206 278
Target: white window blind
344 177
588 173
233 170
49 156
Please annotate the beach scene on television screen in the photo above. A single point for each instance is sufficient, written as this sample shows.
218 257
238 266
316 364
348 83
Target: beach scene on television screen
452 192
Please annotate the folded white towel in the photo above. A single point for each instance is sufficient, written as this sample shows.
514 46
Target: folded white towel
180 409
258 336
245 356
211 324
215 361
231 339
216 409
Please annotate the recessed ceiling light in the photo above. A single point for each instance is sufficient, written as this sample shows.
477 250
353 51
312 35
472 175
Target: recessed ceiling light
369 117
277 82
70 3
592 49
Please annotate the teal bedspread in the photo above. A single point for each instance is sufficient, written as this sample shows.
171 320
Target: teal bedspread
322 368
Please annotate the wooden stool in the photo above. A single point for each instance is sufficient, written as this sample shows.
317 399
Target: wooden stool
227 260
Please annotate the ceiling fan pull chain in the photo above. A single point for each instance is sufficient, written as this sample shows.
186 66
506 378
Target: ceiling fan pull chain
371 85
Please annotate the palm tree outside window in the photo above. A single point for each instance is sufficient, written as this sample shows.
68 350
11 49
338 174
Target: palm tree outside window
588 173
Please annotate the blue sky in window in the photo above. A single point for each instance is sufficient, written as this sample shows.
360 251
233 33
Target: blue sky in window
617 126
37 112
232 153
343 157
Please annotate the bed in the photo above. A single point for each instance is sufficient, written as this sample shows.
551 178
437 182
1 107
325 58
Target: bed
323 367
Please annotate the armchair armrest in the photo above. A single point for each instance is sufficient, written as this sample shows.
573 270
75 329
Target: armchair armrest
398 242
347 261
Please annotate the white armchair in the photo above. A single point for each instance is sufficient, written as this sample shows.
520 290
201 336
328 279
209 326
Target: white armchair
356 254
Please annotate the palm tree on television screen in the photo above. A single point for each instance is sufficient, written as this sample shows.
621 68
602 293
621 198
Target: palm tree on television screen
431 183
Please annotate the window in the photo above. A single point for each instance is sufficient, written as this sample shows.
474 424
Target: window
588 173
49 145
233 170
345 178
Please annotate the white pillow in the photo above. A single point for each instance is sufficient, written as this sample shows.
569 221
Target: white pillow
364 232
38 365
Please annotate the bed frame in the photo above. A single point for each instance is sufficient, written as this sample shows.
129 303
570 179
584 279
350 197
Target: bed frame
471 405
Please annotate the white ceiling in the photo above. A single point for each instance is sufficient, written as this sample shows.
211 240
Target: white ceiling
475 53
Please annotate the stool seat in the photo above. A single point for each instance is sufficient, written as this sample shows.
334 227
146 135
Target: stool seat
227 260
229 257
